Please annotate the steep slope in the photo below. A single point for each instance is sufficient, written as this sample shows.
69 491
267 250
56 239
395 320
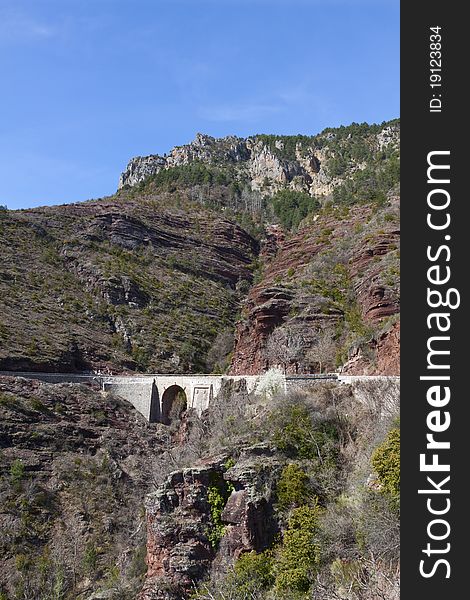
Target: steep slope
136 285
75 466
265 467
153 278
328 296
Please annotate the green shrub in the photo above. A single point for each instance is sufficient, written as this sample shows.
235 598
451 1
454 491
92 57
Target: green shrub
38 405
370 184
292 207
99 417
141 356
293 436
217 496
346 574
299 434
195 173
296 435
386 463
287 150
17 471
90 560
390 217
138 566
7 400
229 463
252 572
299 555
22 562
293 488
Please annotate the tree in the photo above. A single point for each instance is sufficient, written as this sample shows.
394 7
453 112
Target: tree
291 207
323 352
285 346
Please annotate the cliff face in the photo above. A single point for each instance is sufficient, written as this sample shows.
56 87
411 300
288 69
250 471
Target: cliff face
249 156
331 289
179 556
269 163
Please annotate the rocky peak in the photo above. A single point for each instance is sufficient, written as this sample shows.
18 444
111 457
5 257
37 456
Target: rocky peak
204 148
262 165
202 140
269 163
139 168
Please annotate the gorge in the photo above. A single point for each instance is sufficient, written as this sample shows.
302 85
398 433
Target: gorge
271 265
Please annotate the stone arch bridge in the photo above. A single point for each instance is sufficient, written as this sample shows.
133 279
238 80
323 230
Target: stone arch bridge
155 396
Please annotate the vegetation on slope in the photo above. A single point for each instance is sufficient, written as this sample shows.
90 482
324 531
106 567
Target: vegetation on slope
358 167
337 500
331 292
75 467
153 279
76 464
118 286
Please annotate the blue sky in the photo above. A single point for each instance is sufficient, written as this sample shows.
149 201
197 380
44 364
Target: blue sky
87 84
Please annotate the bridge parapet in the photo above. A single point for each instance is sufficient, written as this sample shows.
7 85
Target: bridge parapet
306 381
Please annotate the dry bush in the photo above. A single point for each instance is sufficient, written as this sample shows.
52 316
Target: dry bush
359 529
363 579
381 395
218 357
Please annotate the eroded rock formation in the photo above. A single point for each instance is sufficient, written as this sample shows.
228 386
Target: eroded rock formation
179 549
298 290
266 164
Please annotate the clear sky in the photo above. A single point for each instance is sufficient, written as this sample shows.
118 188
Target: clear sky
87 84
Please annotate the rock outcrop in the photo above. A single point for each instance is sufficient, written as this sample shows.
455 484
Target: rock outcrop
387 352
299 292
179 549
265 162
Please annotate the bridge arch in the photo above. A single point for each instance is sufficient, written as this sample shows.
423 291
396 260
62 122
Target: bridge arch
174 403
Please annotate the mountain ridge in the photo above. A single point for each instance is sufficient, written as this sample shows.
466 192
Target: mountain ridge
155 277
270 161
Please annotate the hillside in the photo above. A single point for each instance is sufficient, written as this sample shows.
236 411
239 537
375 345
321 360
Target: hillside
159 277
74 470
226 255
268 496
328 296
118 284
